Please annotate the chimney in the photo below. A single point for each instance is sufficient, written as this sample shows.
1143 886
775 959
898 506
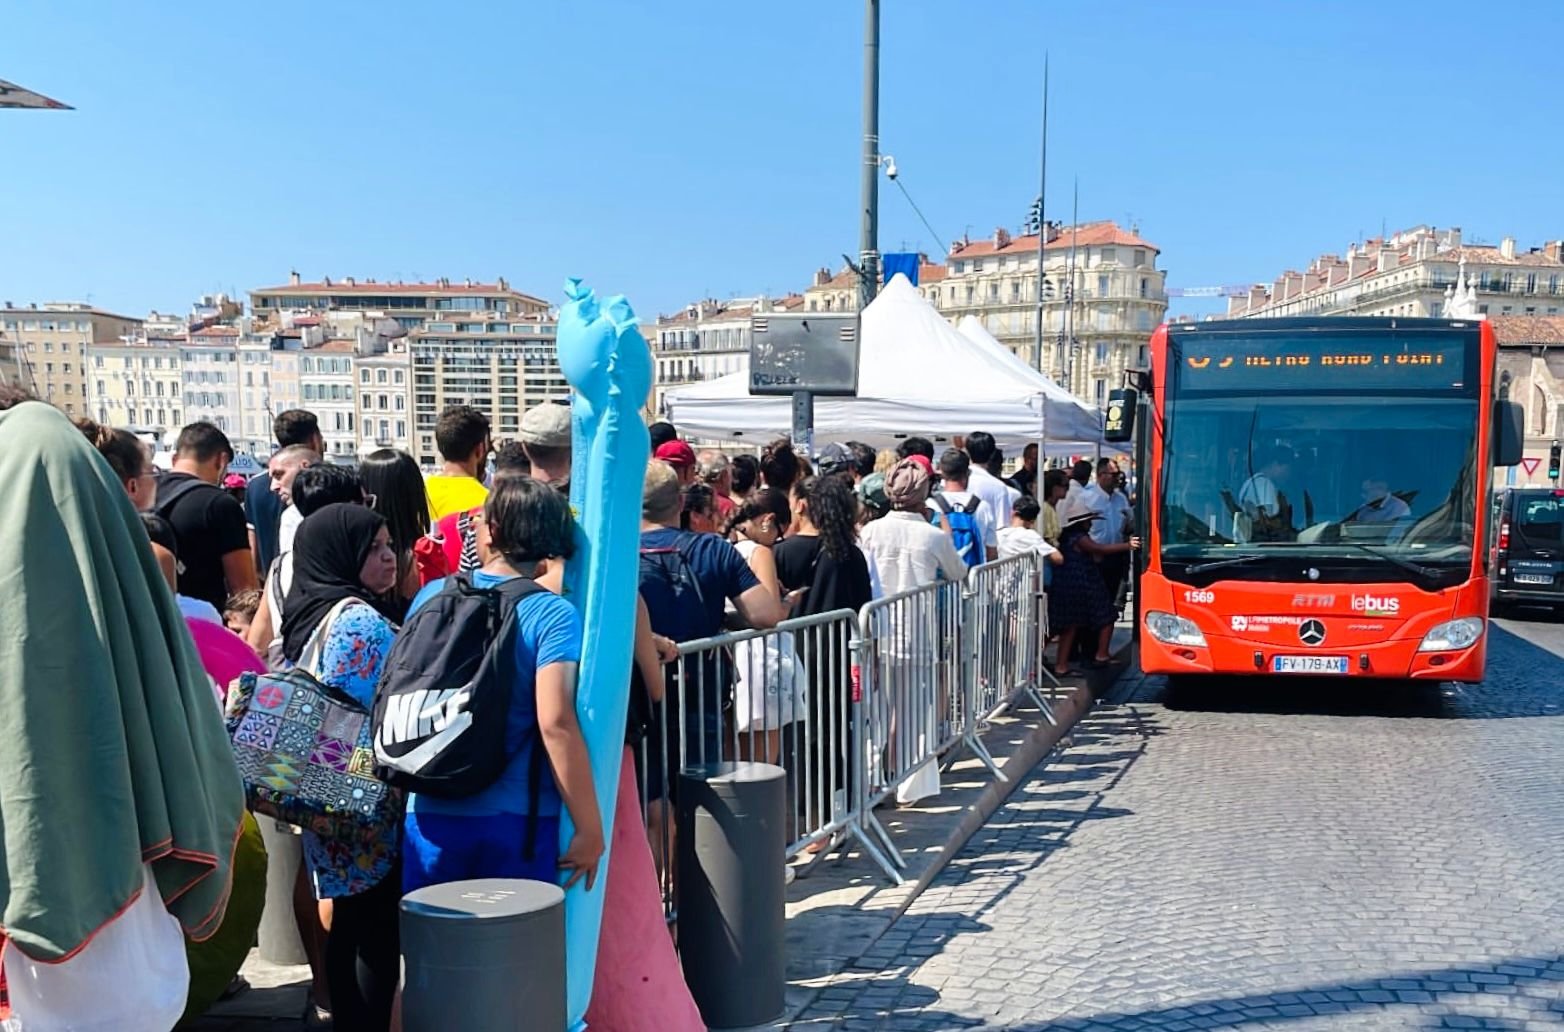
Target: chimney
293 277
1001 237
1388 259
1358 264
1554 249
350 281
1507 247
822 277
1257 296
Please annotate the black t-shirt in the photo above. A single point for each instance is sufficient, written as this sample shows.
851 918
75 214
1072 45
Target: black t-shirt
832 584
210 524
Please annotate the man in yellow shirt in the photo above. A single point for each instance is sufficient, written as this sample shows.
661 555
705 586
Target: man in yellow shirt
462 436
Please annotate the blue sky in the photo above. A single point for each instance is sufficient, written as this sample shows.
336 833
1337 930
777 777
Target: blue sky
675 150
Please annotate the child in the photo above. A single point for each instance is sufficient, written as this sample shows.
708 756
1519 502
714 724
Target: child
1022 537
510 829
240 611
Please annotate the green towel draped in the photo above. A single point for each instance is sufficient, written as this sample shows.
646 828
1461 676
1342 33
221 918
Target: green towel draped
112 749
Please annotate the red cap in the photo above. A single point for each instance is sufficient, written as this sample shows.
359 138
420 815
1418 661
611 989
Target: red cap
676 453
924 461
233 480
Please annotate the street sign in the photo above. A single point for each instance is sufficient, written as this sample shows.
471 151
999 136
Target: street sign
1119 422
804 351
1530 464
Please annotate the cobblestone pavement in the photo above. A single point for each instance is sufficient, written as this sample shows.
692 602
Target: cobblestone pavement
1300 856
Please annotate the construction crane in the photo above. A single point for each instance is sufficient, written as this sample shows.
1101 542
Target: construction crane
1230 290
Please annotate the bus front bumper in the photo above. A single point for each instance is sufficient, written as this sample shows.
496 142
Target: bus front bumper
1222 656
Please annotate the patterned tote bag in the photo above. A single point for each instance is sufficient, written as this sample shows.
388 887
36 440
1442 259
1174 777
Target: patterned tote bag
306 750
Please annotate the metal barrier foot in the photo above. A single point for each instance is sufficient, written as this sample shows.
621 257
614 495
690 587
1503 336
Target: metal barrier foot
1042 705
971 741
873 853
885 837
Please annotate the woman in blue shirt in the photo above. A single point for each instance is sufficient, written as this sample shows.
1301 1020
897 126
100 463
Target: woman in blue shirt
495 833
343 564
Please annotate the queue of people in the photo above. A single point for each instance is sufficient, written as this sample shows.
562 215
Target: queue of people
172 606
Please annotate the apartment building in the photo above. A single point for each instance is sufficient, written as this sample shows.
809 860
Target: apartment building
210 377
383 379
136 384
1531 373
500 367
47 348
1102 293
705 340
410 304
1411 273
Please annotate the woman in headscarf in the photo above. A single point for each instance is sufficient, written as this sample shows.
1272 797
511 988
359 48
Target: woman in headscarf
118 793
343 567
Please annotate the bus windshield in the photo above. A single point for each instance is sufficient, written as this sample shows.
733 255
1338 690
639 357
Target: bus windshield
1375 478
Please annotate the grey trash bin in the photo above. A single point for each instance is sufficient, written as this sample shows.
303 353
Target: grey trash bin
730 891
484 955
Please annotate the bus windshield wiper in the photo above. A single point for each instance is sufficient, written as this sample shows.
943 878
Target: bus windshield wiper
1408 565
1217 564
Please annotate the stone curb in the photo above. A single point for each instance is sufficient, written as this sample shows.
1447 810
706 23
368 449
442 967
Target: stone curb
1040 741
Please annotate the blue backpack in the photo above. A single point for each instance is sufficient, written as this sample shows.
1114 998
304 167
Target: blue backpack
964 531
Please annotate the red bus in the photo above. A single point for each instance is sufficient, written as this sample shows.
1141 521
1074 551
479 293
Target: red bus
1316 498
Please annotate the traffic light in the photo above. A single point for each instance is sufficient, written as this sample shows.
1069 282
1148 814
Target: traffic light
1553 461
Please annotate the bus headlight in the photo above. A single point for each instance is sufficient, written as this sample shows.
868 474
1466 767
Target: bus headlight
1174 630
1454 634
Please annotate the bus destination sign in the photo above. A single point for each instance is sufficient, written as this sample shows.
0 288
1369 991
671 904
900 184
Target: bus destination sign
1225 362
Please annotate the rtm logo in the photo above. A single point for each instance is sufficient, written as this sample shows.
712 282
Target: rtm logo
1373 605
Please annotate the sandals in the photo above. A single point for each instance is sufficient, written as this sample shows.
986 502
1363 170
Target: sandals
316 1019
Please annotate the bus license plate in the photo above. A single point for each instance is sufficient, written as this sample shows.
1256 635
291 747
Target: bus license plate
1309 664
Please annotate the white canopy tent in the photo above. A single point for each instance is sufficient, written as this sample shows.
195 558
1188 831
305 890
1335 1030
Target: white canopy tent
1066 418
917 375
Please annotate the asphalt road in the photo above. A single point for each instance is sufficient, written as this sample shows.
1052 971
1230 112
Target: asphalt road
1298 855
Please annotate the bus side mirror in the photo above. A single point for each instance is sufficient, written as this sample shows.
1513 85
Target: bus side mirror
1118 424
1508 436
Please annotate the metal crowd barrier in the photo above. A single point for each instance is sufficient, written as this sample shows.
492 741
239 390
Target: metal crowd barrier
783 696
913 707
1006 654
858 708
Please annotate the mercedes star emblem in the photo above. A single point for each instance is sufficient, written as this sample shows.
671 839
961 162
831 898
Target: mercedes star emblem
1312 632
